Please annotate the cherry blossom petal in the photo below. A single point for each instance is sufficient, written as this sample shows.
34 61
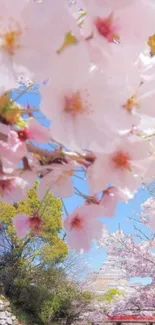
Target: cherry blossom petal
37 48
82 227
21 224
110 198
13 189
14 150
122 166
37 132
4 128
58 181
79 105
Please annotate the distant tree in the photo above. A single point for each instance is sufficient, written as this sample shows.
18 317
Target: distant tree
76 266
66 303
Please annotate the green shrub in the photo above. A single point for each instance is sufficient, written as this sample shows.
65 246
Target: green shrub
109 295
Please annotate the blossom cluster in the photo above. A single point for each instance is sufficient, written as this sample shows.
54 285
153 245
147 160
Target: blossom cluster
137 259
98 60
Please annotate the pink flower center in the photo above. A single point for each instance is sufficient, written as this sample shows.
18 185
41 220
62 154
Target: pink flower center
121 160
74 104
77 223
11 38
35 223
130 104
5 184
107 28
23 135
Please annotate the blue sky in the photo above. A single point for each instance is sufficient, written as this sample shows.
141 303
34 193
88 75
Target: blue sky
96 256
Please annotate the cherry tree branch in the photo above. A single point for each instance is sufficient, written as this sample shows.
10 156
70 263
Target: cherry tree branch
84 159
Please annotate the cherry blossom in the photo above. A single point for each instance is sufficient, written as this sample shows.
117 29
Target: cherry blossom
111 23
79 106
24 223
58 180
137 259
19 41
111 196
82 226
122 166
107 204
122 93
14 150
12 189
34 131
148 213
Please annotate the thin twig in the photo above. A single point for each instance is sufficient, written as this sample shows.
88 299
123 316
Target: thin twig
64 207
142 233
22 92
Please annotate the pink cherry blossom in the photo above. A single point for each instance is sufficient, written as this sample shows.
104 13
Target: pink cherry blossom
34 131
151 223
20 28
27 175
122 166
82 226
103 25
125 101
124 94
145 98
34 49
12 189
138 32
14 150
111 24
79 105
21 224
111 196
58 181
24 223
148 213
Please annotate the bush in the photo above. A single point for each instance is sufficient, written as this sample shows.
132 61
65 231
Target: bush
109 295
45 295
66 304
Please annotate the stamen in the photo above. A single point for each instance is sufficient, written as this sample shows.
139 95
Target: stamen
10 38
107 28
69 40
74 104
130 104
76 223
121 160
151 44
